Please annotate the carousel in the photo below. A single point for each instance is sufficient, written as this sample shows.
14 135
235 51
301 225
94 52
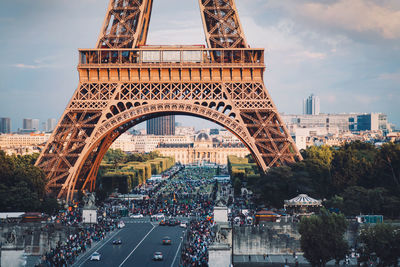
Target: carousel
302 205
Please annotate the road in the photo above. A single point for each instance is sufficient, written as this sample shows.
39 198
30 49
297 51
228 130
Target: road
139 241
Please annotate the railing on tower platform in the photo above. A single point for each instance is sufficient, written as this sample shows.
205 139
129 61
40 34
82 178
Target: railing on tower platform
171 55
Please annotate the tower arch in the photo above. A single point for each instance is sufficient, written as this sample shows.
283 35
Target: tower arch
104 137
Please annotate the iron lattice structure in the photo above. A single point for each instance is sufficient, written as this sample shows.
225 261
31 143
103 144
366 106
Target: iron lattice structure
123 82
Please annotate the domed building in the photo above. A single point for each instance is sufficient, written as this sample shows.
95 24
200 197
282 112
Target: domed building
203 140
203 137
204 149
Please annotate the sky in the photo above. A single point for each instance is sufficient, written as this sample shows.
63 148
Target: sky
347 52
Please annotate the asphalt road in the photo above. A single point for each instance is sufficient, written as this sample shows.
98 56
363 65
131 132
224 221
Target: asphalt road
139 241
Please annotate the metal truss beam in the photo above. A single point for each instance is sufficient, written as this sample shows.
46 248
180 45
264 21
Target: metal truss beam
126 24
221 24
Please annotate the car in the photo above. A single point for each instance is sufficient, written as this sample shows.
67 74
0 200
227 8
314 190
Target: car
183 225
95 256
158 216
121 225
158 256
162 223
117 242
136 216
172 222
166 240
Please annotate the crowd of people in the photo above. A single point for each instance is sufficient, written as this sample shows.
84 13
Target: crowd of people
178 196
198 238
66 252
187 193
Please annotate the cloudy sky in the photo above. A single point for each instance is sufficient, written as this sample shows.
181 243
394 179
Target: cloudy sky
345 51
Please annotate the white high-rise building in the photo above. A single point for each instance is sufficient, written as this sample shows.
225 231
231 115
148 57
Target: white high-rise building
51 125
35 124
44 126
311 105
27 124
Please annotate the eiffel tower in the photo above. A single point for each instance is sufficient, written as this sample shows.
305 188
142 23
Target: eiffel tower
124 82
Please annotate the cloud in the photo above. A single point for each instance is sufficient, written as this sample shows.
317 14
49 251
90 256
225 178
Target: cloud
356 15
40 63
281 40
381 18
310 55
329 98
26 66
366 99
395 76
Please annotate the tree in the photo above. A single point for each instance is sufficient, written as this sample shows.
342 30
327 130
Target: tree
335 203
322 237
388 166
381 241
50 206
323 154
115 157
22 184
355 178
237 187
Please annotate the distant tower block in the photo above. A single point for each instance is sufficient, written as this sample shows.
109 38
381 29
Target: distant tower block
123 82
311 105
164 125
5 125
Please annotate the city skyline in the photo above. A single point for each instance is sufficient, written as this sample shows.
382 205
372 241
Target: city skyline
352 65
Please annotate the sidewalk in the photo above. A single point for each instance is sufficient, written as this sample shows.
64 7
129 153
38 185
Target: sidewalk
277 260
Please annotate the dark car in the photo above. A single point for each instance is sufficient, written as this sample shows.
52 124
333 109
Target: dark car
173 222
117 242
158 256
166 240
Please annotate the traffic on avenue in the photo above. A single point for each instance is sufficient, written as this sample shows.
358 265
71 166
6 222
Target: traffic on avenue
169 224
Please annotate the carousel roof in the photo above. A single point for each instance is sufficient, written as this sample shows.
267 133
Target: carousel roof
302 200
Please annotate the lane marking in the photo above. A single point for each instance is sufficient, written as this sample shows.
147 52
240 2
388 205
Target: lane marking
176 254
95 248
137 246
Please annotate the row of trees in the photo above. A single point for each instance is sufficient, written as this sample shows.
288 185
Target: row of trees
22 185
322 240
117 156
125 171
354 178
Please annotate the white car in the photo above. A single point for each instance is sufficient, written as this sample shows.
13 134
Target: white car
158 216
95 256
136 216
183 225
121 225
158 256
